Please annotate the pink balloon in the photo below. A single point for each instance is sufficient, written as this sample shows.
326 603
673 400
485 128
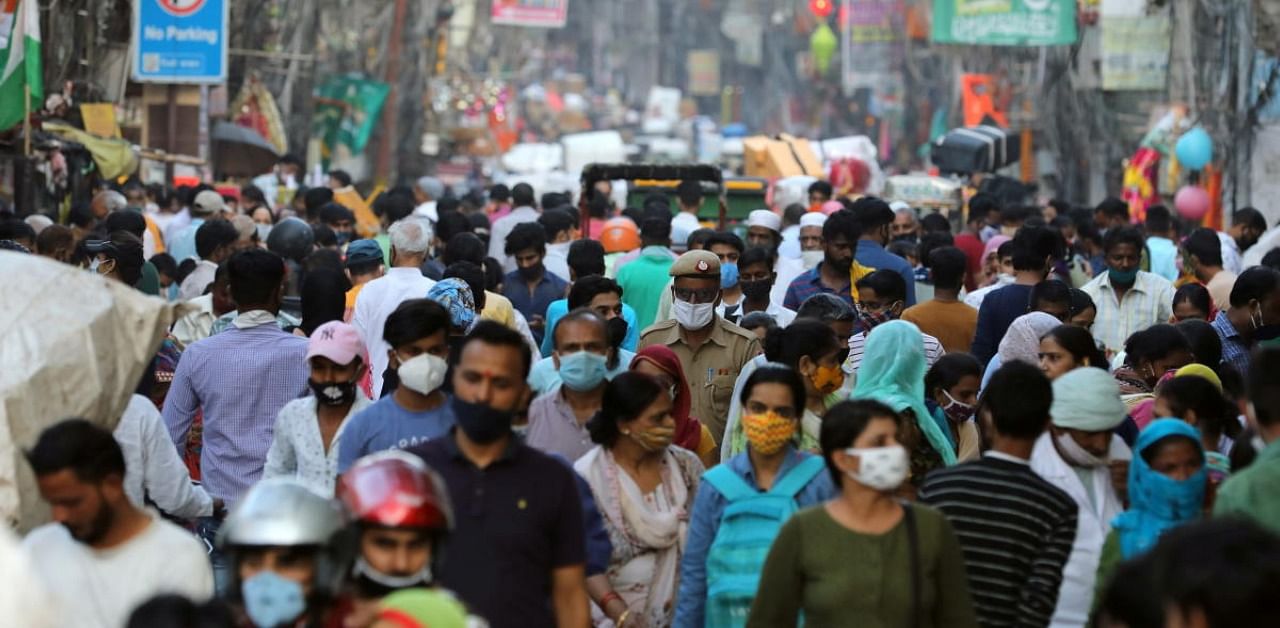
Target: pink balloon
1192 202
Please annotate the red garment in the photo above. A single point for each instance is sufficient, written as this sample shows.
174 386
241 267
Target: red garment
688 429
972 247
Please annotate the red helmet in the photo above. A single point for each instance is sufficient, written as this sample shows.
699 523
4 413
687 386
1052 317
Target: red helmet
397 490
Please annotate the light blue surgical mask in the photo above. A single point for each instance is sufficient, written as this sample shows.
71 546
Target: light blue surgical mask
271 600
583 370
728 275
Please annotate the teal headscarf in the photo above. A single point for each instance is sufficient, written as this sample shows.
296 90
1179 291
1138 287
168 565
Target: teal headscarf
892 372
1156 501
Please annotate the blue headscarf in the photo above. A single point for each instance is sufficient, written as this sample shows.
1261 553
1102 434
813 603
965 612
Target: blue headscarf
455 295
1156 501
892 372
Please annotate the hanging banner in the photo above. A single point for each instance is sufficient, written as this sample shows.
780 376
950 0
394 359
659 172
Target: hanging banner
347 111
1135 52
530 13
875 49
704 72
1005 22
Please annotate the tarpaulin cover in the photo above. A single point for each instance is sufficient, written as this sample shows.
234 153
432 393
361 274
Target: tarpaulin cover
72 344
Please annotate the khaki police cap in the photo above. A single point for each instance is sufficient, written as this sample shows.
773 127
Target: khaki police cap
701 264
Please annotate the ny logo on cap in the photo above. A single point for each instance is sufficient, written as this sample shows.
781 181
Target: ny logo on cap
326 334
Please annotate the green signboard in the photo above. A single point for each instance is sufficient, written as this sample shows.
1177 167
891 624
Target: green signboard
1004 22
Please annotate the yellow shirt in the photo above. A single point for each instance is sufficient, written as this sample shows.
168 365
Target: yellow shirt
498 308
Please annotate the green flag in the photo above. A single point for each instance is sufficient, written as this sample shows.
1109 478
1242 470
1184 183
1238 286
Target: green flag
19 62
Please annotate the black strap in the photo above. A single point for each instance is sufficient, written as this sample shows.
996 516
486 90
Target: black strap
913 553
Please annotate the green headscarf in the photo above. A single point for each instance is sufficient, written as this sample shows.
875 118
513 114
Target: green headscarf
892 372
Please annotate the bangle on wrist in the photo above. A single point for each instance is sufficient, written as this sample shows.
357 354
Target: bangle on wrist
622 619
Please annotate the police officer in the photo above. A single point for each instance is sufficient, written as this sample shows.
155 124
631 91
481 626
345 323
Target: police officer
711 349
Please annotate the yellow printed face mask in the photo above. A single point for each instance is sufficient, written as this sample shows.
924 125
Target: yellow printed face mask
827 379
767 433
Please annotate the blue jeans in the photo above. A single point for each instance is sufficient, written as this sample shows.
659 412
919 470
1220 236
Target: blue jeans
207 530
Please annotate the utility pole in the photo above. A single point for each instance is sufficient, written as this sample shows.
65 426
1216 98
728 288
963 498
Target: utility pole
391 110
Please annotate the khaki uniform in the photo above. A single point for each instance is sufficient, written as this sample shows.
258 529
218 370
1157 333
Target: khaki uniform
712 369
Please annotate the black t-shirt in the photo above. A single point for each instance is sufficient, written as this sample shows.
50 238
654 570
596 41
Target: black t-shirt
514 523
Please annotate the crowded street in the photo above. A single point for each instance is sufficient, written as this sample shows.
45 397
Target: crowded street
590 313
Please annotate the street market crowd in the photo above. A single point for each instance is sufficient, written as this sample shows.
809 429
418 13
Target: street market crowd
505 409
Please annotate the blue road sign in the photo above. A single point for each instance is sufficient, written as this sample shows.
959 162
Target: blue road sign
180 41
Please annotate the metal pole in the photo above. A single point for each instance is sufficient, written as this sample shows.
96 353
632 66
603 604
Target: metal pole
26 118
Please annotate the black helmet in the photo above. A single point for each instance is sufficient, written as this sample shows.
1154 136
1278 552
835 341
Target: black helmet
291 238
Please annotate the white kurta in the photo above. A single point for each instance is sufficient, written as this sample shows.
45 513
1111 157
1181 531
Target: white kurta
1075 598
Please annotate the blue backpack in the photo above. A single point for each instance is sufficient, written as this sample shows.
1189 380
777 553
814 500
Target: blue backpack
748 527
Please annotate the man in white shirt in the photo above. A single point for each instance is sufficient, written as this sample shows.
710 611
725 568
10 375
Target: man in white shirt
560 226
525 211
1081 455
426 191
215 241
1247 225
153 469
103 556
410 239
199 324
689 197
308 432
764 229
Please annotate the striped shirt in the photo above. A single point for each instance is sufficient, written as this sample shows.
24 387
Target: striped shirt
241 378
1016 531
1147 303
1235 351
932 351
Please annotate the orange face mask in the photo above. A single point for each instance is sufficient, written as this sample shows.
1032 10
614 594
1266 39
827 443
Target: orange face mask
767 433
827 379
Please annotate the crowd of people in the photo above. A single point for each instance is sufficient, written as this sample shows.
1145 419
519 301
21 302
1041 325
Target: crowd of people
510 410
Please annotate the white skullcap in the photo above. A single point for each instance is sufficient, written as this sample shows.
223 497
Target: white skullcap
764 218
38 222
899 206
813 219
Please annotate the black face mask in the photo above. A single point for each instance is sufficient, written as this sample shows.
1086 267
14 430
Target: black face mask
617 331
530 273
756 290
906 237
333 394
481 423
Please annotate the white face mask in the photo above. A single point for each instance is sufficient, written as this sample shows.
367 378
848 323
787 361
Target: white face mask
263 232
810 259
1075 455
692 316
880 468
423 374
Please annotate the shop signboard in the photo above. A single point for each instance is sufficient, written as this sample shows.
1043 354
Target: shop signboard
1004 22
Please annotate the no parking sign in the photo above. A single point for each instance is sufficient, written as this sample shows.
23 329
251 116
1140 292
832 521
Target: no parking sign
180 41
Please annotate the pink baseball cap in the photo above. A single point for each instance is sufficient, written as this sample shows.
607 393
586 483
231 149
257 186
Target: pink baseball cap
337 341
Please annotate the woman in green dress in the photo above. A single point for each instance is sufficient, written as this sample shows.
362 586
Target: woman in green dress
864 559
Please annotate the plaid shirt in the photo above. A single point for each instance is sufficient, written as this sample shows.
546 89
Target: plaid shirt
1235 351
241 378
809 284
1148 302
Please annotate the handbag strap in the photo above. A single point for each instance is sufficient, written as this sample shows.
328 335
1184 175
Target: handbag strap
913 554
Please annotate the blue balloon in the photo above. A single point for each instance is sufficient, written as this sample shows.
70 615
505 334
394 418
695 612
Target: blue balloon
1194 149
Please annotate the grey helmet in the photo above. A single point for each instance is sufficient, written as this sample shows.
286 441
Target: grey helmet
281 512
